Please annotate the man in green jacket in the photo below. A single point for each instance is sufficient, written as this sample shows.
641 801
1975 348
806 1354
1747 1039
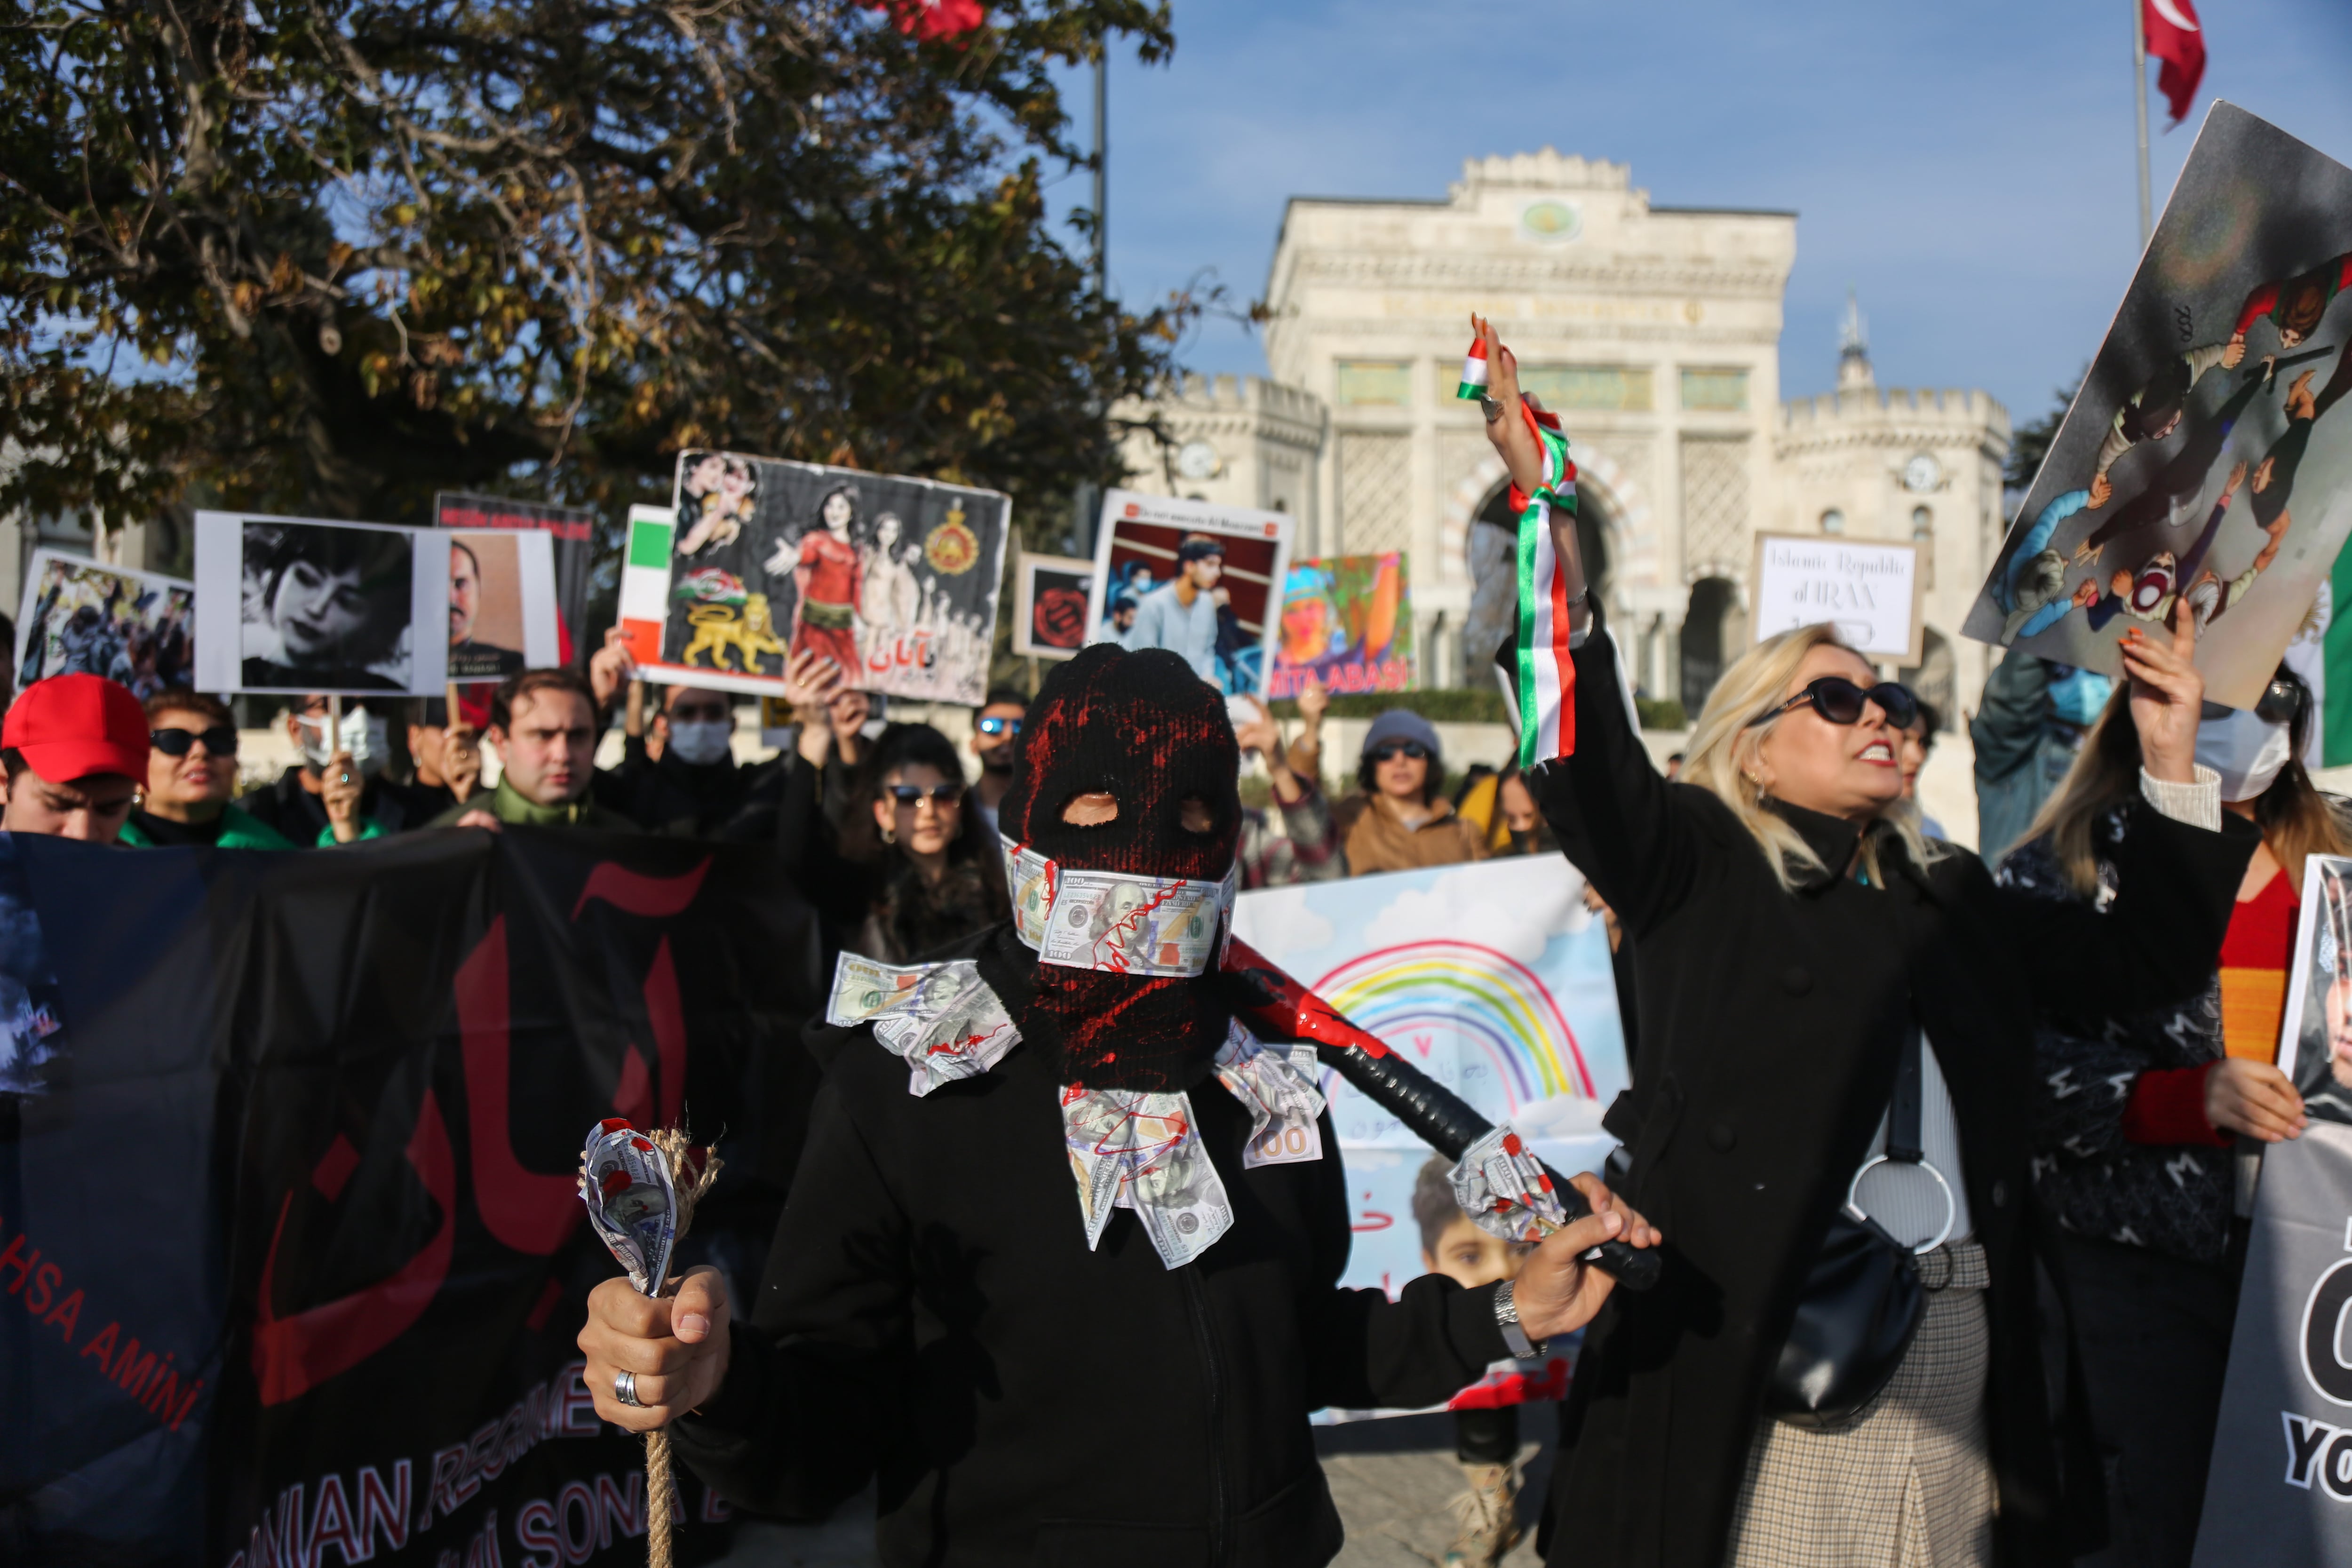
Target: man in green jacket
543 728
191 772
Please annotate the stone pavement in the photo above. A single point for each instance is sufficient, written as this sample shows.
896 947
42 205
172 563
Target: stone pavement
1393 1481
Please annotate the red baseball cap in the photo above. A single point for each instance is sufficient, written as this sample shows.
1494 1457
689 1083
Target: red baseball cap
71 726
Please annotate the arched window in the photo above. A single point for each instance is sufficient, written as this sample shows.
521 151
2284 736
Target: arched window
1923 524
1833 522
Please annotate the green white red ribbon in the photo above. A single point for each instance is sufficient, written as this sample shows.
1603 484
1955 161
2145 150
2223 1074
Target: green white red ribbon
1546 672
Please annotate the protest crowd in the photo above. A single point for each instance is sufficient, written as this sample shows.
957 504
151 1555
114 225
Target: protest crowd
768 1049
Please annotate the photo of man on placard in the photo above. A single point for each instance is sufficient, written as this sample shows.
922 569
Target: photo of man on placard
471 656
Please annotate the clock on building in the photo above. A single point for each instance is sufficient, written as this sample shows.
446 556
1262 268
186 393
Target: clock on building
1198 460
1922 473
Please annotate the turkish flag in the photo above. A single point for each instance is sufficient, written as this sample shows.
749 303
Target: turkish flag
2175 38
929 19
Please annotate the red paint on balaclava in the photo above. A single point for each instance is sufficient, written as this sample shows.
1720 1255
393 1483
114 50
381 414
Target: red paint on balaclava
1143 728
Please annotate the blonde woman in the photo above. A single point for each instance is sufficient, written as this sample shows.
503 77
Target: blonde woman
1788 922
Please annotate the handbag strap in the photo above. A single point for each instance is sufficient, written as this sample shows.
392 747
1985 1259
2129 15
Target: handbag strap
1903 1116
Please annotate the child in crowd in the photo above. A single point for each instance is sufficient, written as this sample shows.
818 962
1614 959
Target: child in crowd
1487 1441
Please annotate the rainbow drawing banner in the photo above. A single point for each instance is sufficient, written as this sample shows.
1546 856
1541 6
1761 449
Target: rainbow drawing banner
1495 979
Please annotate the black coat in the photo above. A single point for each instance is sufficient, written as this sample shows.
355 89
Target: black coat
931 1317
1769 1024
667 795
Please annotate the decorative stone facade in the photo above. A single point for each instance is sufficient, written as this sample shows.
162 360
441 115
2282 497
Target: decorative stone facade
1653 330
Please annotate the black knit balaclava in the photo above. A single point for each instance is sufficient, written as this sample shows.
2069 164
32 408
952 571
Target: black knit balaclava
1143 728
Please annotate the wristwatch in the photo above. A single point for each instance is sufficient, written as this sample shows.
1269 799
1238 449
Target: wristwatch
1507 1318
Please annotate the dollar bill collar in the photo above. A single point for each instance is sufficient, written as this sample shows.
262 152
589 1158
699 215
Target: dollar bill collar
1127 1149
1116 922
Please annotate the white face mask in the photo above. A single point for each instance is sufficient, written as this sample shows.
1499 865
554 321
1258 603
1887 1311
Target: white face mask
2246 752
365 736
700 741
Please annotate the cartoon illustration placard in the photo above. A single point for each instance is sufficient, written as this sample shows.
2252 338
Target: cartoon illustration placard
1868 589
81 617
1346 624
895 579
1050 596
1194 577
2205 456
1495 979
296 604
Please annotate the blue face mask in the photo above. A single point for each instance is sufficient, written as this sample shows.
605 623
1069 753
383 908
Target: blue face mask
2078 696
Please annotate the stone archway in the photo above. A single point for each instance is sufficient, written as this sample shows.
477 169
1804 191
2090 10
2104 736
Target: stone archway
1710 639
1494 599
1632 542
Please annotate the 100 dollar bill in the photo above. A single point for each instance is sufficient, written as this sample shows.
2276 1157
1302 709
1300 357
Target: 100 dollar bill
1133 925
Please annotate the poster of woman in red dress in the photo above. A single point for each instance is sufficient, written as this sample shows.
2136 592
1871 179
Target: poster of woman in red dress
827 579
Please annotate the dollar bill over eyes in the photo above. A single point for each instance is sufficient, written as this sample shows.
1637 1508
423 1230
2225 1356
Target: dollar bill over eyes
1504 1190
632 1202
940 1019
1133 925
1029 877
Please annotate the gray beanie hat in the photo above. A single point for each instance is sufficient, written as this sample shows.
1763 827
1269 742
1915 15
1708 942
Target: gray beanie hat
1401 724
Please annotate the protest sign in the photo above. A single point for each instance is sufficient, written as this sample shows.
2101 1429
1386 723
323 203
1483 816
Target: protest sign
295 1190
502 604
1049 609
2279 1489
1871 592
2203 455
570 529
1346 624
1494 979
81 618
299 605
895 579
1218 612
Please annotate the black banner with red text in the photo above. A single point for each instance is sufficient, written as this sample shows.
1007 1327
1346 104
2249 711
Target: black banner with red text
291 1259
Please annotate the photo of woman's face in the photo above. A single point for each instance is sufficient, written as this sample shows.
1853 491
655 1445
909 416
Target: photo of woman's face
886 529
316 610
704 477
2338 1004
838 512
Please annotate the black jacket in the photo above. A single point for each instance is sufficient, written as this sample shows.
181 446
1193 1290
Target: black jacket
301 817
932 1317
668 794
1769 1024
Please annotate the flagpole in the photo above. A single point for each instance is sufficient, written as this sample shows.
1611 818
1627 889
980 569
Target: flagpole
2139 100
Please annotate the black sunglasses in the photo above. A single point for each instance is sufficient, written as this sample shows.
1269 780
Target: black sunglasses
997 725
1841 701
220 740
942 795
2282 702
1395 749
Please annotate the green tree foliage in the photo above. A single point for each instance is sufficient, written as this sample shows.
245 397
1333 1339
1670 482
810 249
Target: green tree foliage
329 257
2030 442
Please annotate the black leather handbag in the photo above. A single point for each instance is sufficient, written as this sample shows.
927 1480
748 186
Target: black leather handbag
1863 1299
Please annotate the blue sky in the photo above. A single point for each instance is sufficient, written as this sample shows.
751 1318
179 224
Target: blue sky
1967 168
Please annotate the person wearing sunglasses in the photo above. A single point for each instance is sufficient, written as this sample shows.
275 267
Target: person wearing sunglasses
1399 819
996 741
2143 1105
191 775
1790 923
916 866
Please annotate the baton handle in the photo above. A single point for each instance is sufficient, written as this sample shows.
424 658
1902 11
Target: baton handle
1278 1007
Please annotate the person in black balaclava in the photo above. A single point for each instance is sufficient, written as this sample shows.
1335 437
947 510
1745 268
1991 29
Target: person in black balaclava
955 1307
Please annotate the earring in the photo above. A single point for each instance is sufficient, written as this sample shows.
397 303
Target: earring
889 835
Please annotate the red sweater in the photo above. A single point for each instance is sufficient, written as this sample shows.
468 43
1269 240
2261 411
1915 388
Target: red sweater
2167 1104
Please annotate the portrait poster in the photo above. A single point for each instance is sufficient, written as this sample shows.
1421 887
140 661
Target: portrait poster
1222 621
1495 979
1347 625
1049 604
502 604
294 605
79 616
2206 454
572 530
895 579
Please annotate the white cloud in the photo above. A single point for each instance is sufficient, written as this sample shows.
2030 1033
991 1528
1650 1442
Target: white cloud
1513 906
1277 920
